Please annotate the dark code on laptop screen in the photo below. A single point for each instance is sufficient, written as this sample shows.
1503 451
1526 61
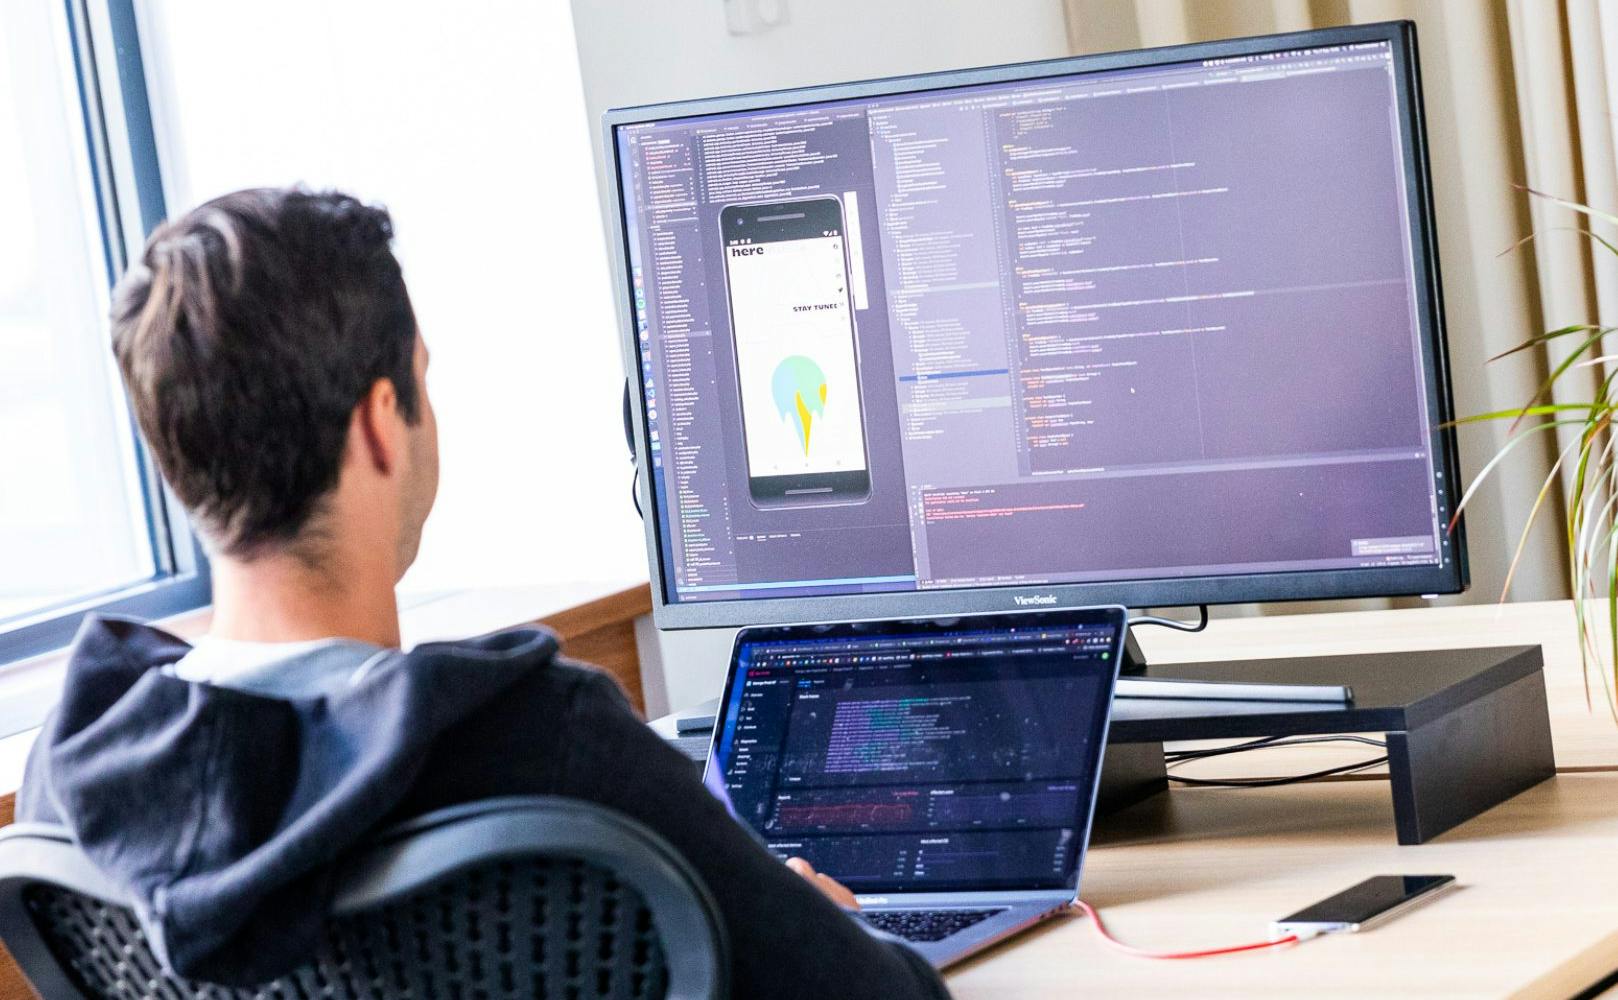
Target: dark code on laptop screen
921 762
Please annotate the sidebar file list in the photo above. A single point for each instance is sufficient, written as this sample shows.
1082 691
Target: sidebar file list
704 553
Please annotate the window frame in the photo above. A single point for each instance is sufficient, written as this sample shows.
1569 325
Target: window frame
116 116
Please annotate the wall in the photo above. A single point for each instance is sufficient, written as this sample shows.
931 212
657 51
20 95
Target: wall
639 52
468 122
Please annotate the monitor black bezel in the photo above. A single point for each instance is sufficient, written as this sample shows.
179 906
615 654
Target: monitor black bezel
1084 819
1450 576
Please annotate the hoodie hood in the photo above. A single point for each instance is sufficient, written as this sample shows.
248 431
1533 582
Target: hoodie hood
222 811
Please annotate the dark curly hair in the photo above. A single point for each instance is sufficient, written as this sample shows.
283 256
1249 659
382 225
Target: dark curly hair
246 335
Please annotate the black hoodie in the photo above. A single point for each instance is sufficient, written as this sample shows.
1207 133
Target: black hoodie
223 809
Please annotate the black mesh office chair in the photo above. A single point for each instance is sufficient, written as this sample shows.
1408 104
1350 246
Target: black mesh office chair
506 898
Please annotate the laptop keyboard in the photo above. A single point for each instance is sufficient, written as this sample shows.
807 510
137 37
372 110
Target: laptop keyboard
926 925
694 746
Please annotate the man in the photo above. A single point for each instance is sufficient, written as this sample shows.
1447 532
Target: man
273 362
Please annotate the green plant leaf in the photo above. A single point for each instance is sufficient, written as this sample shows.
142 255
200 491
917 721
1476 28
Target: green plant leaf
1559 229
1533 514
1571 206
1516 439
1542 338
1560 370
1543 409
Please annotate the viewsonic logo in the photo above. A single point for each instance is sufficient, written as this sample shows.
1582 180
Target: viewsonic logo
1034 600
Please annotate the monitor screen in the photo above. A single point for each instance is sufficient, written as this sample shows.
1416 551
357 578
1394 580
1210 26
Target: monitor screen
1159 328
903 758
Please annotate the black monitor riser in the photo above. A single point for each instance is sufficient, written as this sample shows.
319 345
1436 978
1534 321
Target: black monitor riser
1466 729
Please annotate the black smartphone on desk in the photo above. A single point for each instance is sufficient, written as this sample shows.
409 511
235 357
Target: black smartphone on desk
1362 906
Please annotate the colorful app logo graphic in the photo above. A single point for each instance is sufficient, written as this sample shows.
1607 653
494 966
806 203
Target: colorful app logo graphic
799 388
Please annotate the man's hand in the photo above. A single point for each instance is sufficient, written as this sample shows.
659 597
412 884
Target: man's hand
834 890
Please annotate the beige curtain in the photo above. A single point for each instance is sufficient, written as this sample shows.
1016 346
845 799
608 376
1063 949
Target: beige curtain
1517 93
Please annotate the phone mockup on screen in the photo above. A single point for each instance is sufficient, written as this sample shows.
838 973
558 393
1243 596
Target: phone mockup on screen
797 361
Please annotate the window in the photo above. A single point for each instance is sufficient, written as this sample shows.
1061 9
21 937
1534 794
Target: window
84 522
472 130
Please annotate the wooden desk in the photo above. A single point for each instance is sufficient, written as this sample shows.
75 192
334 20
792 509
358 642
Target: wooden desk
1537 913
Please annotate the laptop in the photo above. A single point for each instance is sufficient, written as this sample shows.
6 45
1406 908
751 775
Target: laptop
945 771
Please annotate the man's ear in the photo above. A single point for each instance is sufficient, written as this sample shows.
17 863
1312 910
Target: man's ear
376 417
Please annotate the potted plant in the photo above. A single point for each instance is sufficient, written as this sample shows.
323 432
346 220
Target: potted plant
1592 500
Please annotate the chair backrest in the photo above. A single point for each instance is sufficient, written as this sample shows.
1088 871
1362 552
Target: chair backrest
517 897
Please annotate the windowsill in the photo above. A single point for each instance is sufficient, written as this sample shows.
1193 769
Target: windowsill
422 618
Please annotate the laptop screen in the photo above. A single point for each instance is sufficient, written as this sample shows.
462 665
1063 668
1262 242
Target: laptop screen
917 757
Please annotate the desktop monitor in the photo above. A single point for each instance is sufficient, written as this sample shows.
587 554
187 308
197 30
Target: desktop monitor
1149 328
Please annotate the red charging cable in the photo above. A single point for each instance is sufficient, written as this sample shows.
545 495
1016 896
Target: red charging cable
1101 928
